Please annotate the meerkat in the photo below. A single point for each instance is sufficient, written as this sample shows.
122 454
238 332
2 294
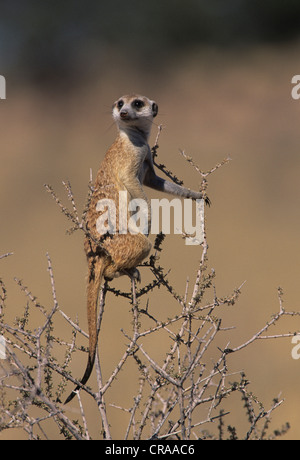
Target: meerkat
127 166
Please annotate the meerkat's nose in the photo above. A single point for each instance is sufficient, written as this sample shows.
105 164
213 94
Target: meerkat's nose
124 114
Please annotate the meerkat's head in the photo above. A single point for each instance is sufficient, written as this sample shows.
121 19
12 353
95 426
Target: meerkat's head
135 113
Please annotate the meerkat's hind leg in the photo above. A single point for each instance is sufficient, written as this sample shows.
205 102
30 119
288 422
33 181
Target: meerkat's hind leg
127 252
133 273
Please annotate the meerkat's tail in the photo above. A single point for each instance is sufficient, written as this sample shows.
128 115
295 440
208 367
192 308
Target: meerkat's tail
96 269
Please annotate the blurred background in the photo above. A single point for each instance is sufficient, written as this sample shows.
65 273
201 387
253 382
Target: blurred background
221 74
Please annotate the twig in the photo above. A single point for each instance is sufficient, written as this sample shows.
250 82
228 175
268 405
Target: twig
6 255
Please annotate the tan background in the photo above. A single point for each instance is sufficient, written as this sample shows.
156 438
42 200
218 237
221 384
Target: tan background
213 105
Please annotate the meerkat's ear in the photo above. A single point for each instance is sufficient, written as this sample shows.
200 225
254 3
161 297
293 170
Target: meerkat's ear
154 109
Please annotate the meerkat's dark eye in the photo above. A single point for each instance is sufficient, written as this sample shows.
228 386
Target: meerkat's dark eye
120 104
154 109
138 104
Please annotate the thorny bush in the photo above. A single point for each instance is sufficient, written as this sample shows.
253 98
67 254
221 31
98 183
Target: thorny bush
181 395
